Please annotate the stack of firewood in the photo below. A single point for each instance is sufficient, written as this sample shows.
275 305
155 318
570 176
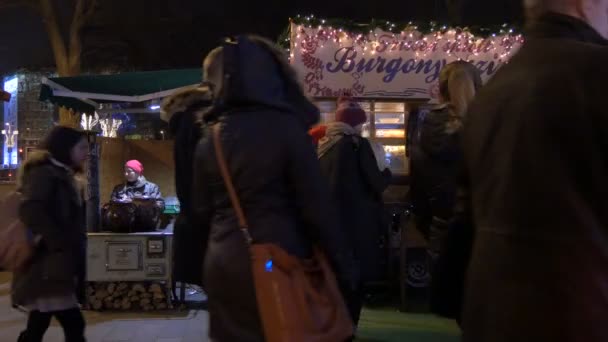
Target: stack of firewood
127 296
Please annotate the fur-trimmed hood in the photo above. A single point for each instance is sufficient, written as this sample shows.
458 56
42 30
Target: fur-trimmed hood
35 158
40 157
193 98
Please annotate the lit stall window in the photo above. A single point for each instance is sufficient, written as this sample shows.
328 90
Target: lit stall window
367 107
386 123
396 158
390 119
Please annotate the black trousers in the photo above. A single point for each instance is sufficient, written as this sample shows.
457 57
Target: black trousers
354 302
38 322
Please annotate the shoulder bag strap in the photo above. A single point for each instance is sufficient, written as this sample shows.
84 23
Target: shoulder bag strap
234 198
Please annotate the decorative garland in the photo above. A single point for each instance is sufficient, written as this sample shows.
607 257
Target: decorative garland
425 28
389 48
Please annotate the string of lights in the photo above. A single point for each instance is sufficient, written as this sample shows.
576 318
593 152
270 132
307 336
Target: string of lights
311 21
311 33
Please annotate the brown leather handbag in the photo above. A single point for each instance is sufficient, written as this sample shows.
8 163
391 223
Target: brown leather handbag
298 299
16 248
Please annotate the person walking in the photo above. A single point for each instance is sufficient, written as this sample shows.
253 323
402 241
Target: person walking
183 112
51 285
264 118
437 159
356 184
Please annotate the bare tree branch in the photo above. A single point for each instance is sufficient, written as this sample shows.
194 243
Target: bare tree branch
49 18
91 10
82 15
67 57
77 19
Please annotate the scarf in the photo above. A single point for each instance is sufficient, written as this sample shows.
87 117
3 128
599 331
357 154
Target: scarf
335 131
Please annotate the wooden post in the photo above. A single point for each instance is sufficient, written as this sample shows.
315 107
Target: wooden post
92 195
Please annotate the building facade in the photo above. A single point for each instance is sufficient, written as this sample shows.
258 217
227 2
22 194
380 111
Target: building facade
26 120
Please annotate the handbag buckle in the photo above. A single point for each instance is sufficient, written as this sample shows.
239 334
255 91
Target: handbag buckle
246 234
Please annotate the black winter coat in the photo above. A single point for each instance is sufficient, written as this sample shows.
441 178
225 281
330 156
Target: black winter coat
264 118
139 188
356 186
437 162
536 151
435 159
184 111
53 208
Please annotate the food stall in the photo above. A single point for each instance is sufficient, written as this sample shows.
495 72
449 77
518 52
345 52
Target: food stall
130 242
392 70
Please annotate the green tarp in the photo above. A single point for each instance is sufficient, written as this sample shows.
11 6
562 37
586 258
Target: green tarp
82 93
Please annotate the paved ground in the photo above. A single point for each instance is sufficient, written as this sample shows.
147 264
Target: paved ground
178 326
377 325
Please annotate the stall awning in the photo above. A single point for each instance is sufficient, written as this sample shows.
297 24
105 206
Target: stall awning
84 93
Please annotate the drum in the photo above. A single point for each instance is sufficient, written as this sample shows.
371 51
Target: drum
147 214
118 216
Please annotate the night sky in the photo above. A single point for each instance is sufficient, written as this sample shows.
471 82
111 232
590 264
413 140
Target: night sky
161 34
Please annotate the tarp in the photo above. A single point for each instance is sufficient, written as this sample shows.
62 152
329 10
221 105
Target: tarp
84 93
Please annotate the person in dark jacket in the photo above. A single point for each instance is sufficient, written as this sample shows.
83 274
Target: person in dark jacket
416 196
264 118
536 154
183 111
356 184
137 186
52 209
438 159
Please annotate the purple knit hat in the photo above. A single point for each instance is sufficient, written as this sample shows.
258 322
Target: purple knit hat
350 112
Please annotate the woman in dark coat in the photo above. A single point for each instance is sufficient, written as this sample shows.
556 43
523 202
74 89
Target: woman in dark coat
264 119
52 209
183 111
356 183
437 158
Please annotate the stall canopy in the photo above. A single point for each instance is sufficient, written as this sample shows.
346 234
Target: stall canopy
85 93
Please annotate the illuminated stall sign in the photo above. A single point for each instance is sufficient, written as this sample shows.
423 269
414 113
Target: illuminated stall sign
332 62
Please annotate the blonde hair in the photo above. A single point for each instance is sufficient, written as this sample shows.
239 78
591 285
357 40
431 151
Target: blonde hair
213 64
536 8
458 83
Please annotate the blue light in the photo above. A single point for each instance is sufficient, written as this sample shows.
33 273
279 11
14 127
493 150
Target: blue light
13 158
11 85
268 265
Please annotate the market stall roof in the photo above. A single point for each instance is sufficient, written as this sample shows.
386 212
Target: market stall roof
85 93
